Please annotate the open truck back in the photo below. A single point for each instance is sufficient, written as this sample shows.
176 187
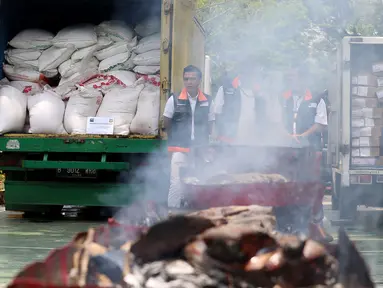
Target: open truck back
49 171
355 125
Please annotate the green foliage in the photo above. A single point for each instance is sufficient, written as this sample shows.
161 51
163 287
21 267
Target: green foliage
276 34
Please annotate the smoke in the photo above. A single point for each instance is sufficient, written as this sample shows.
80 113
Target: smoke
272 35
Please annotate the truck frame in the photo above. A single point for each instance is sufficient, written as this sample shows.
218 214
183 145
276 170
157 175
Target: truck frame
46 172
352 185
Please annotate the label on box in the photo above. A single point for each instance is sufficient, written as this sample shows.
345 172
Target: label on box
360 91
358 123
378 67
379 93
357 113
362 80
369 161
100 125
380 82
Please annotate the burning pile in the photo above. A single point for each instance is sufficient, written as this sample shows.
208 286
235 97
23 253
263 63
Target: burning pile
220 247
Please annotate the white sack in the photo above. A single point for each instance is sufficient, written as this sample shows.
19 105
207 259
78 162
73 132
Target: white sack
150 58
146 120
51 73
118 48
21 74
148 27
32 39
115 30
121 104
105 82
152 42
27 74
46 113
126 77
28 88
127 65
109 63
132 43
23 54
31 64
67 85
4 81
102 43
70 67
80 36
13 110
53 57
146 70
83 103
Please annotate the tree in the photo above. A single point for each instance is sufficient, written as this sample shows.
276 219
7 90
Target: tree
279 33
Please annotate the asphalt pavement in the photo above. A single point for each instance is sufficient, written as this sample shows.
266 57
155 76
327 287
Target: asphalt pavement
23 241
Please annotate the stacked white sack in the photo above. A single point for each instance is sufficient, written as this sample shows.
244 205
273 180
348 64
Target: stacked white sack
121 104
13 109
23 57
46 113
111 80
148 53
83 103
146 120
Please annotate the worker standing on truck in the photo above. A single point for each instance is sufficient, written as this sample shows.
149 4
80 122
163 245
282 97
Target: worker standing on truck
188 120
235 104
305 116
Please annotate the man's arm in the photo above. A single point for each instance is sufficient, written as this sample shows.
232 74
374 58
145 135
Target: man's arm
168 114
167 124
211 118
320 119
217 107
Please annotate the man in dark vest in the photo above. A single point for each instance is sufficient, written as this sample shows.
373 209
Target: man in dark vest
305 116
188 120
234 107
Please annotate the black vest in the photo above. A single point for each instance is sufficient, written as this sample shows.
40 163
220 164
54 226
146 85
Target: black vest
227 124
305 118
180 134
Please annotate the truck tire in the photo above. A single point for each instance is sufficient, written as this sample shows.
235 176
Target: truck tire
348 204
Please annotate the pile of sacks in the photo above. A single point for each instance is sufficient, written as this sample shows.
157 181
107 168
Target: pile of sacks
103 71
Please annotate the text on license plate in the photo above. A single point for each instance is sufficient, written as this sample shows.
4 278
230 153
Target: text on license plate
76 173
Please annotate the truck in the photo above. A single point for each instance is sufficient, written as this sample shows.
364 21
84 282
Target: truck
355 126
45 172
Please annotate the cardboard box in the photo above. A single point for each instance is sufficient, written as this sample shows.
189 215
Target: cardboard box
366 142
377 68
365 91
366 122
379 93
365 79
364 161
365 102
365 152
366 132
373 113
379 161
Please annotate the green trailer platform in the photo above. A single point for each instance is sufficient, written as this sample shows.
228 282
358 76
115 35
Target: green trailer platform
46 171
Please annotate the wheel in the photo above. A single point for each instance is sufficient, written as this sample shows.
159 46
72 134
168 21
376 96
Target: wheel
348 204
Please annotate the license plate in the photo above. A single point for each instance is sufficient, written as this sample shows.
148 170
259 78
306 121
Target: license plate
76 173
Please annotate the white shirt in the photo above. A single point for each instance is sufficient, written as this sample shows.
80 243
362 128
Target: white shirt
320 117
247 114
169 110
